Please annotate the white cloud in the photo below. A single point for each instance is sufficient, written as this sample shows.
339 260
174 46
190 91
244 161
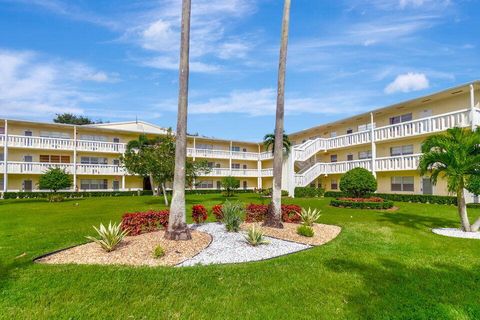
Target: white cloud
408 82
32 85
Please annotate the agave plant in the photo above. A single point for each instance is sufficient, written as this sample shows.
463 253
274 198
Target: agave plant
309 216
255 236
232 212
110 236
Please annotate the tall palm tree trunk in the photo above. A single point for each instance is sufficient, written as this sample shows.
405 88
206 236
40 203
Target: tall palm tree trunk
177 226
462 208
274 215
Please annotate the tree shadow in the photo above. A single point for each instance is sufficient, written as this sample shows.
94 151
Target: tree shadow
416 221
39 200
391 289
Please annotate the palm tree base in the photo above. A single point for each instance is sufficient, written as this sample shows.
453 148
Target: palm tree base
271 220
180 233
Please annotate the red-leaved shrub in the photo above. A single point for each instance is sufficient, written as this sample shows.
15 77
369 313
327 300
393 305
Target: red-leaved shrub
217 212
141 222
371 199
257 213
199 213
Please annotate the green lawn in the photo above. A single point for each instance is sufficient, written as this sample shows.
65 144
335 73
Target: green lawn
383 265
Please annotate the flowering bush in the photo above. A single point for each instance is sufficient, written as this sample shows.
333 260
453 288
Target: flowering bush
217 212
257 213
199 213
141 222
371 199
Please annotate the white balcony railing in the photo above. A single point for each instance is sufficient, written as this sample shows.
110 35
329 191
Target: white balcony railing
399 163
222 154
82 169
40 143
433 124
99 146
224 172
100 169
267 172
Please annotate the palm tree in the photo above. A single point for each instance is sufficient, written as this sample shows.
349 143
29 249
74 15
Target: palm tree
177 226
269 142
274 215
454 156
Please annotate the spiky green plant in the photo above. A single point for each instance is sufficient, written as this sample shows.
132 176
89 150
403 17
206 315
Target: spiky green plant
232 212
110 236
255 236
158 252
309 216
305 231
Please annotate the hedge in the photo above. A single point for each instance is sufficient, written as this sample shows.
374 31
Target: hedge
44 195
473 205
361 205
308 192
418 198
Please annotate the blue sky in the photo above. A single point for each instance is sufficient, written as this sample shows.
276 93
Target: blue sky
118 60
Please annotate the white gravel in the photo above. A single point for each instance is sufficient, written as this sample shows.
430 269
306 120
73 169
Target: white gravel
456 233
231 247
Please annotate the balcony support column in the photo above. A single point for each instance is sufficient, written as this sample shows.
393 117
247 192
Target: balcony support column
374 146
75 158
5 159
259 167
194 148
473 114
230 157
123 182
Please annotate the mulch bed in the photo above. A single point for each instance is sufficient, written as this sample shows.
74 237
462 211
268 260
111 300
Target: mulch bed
133 251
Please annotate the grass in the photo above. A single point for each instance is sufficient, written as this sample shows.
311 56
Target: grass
384 265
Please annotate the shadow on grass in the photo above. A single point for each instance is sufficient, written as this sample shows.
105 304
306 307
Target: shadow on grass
41 200
393 289
416 221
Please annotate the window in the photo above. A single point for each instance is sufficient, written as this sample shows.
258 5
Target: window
365 155
235 165
333 158
93 160
333 134
402 118
91 137
334 184
54 134
234 148
349 131
402 184
54 158
401 150
245 185
116 140
27 158
116 162
217 165
244 149
365 127
1 183
244 166
28 133
219 185
349 157
207 184
94 184
204 146
210 164
27 185
116 185
2 157
2 130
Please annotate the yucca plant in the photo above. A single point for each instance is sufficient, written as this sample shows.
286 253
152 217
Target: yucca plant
110 236
255 236
232 212
309 216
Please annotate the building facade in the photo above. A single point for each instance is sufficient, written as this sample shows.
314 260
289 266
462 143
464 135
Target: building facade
385 141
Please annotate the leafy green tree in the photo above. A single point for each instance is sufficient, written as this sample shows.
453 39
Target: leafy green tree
55 179
230 184
269 143
454 156
69 118
473 184
155 159
358 183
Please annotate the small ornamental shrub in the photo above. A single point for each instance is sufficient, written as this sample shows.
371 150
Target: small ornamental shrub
55 179
371 199
217 212
142 222
158 252
258 212
305 231
268 192
309 216
110 237
255 236
361 205
417 198
199 213
358 183
232 215
54 197
230 185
